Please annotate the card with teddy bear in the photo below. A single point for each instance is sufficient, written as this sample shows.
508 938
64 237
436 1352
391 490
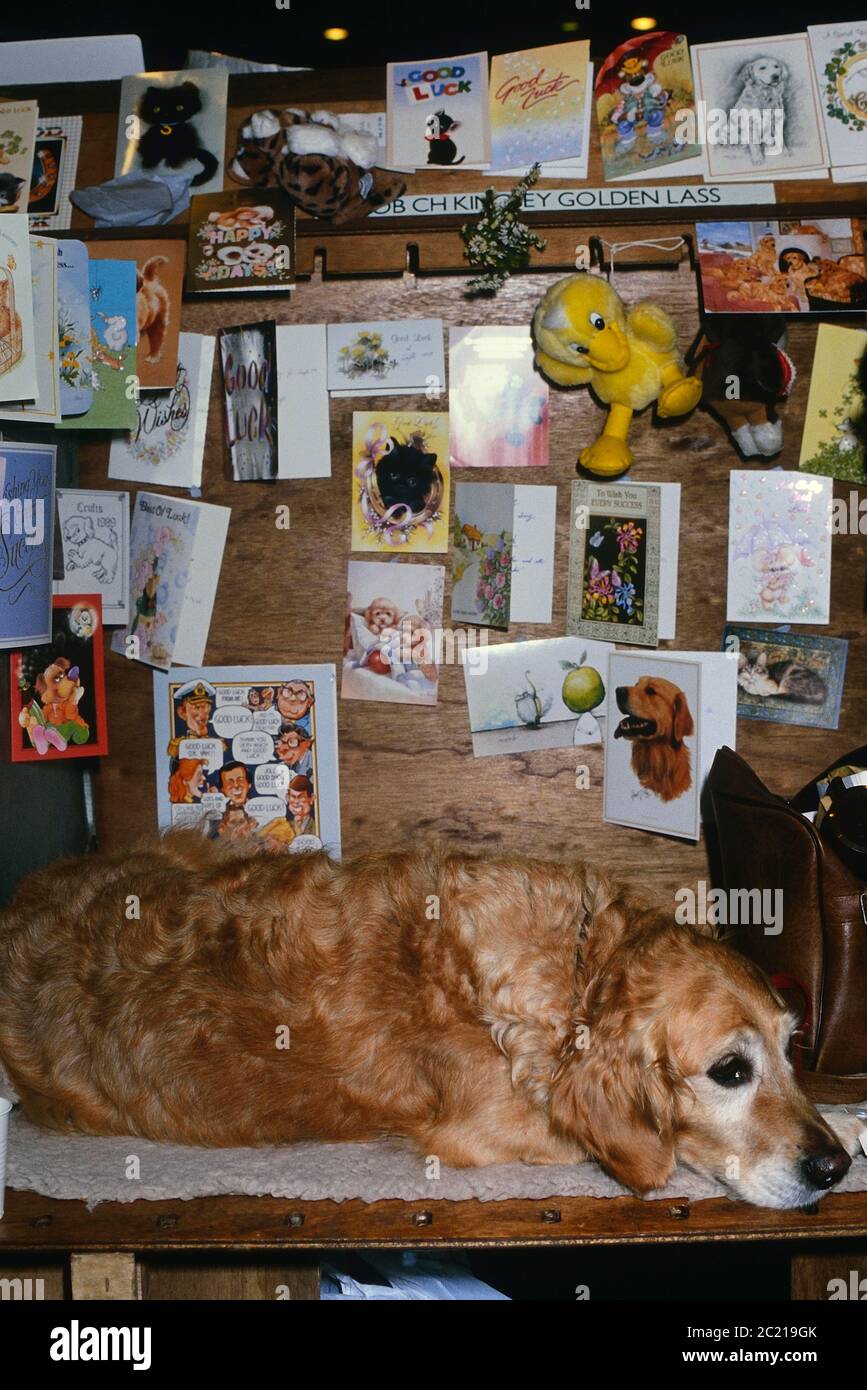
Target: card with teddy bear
779 547
57 690
393 615
241 241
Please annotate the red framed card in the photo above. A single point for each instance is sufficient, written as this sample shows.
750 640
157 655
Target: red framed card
57 690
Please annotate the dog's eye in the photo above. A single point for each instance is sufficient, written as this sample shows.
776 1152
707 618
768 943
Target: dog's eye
731 1072
649 690
597 320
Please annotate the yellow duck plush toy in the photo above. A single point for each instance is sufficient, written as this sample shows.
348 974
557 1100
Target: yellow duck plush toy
584 337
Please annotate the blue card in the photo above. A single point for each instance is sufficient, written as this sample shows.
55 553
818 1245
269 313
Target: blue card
26 543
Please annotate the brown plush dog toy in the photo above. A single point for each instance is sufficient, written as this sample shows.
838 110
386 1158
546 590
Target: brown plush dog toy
322 163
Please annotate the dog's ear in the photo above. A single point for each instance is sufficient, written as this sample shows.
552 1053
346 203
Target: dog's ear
620 1107
784 69
682 724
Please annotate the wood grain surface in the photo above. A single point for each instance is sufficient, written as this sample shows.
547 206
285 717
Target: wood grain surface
408 776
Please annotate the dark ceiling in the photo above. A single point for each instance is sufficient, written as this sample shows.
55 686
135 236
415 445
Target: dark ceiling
294 36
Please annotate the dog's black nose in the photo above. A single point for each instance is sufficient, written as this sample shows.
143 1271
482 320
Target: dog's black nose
823 1170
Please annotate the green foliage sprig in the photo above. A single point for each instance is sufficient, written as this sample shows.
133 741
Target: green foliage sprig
498 242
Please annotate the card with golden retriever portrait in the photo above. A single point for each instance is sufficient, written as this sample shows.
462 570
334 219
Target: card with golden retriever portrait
653 744
159 286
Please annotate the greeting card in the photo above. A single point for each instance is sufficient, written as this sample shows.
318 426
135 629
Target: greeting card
168 444
502 554
839 53
249 359
94 533
176 550
249 753
539 99
533 555
498 402
831 442
400 482
386 359
19 379
303 418
438 113
54 168
26 542
57 691
159 286
73 328
779 547
762 115
614 562
782 267
653 750
527 695
391 638
645 109
242 240
788 677
174 123
113 339
45 407
17 140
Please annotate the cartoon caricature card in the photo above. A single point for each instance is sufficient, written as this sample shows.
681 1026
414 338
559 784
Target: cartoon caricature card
438 113
250 754
400 482
58 690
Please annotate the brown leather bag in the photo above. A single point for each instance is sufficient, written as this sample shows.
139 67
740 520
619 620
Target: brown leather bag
818 961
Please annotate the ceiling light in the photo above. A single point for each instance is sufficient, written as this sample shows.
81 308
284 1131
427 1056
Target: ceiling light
642 23
336 33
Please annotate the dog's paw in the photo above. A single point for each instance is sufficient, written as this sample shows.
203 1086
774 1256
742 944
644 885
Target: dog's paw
851 1130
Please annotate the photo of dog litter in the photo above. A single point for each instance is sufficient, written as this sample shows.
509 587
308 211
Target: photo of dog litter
433 619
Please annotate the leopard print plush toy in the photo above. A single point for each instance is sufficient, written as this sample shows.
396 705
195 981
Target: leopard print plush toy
323 164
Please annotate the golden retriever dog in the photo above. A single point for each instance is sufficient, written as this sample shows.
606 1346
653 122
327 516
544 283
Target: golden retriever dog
658 719
486 1010
152 307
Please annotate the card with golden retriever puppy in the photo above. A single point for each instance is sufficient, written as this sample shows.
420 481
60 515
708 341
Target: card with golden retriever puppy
653 767
159 286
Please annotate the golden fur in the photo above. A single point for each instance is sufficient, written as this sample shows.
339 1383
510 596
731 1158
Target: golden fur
152 308
660 758
487 1010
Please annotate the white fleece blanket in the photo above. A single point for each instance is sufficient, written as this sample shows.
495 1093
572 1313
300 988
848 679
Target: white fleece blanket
97 1170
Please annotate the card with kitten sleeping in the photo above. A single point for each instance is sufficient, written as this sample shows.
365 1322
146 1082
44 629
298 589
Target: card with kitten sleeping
788 677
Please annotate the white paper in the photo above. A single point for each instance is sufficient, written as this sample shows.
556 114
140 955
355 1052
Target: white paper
533 554
94 529
195 619
403 357
45 408
303 423
841 94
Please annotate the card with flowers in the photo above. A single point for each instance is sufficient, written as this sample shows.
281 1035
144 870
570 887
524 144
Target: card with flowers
614 562
482 546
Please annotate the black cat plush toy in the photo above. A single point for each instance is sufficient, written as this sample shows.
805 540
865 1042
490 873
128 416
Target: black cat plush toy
405 475
172 139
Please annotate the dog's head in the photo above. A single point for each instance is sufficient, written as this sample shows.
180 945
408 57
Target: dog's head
766 72
78 529
684 1057
655 709
440 125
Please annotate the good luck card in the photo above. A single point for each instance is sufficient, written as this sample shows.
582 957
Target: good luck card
54 167
788 677
249 753
94 532
167 446
614 562
248 355
394 613
26 542
113 339
174 123
779 566
400 482
160 281
58 690
498 403
645 109
528 695
539 99
17 141
242 240
19 372
176 551
438 113
386 359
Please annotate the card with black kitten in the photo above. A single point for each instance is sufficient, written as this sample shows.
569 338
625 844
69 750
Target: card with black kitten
174 123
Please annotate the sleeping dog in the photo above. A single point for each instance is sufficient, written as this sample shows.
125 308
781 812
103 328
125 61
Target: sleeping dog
485 1010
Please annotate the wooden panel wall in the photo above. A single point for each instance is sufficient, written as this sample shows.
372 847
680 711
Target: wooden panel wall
408 776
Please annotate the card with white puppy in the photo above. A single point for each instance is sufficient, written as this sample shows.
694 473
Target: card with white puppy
393 613
94 530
